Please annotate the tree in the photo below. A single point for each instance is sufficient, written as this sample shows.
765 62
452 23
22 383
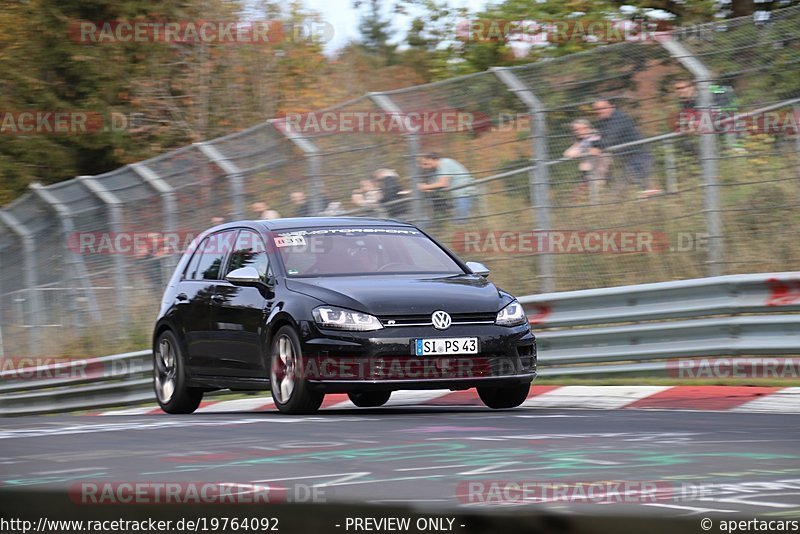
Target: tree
434 27
376 30
430 43
160 95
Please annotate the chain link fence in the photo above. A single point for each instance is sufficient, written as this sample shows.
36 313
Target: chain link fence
644 198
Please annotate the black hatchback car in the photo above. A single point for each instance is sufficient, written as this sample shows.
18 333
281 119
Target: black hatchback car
309 306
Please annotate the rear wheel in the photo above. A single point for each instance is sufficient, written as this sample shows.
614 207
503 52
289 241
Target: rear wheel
499 398
169 377
290 390
369 399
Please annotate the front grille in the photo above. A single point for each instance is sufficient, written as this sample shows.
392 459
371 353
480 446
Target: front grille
419 319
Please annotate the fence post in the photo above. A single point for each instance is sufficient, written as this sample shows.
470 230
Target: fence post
669 166
169 205
234 174
412 151
114 205
709 153
76 268
796 109
538 178
30 274
311 153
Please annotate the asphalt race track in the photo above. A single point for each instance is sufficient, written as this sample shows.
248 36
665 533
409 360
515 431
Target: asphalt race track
701 463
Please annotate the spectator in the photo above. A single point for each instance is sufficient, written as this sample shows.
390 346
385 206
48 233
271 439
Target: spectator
217 220
687 93
263 212
369 196
617 127
722 97
301 207
723 106
150 254
333 209
449 173
388 181
687 99
586 148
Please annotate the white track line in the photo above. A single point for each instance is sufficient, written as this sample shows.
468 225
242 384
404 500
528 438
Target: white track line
398 398
786 400
415 397
237 405
141 410
602 397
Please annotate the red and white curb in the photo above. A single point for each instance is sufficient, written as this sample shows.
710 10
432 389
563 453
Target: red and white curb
706 398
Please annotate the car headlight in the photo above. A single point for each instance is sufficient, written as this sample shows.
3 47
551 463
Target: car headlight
511 315
342 319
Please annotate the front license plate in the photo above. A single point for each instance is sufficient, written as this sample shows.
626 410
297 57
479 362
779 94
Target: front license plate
453 345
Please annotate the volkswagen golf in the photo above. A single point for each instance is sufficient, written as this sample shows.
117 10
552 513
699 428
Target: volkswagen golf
314 305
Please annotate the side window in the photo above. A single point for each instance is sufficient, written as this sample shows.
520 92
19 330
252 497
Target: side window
191 267
249 251
215 248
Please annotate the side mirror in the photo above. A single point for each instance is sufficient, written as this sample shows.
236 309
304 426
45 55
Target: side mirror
478 268
246 277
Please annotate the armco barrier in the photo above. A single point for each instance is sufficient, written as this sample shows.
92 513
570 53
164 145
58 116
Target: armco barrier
592 331
599 331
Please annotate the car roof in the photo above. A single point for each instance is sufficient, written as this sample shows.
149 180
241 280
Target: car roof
297 223
300 223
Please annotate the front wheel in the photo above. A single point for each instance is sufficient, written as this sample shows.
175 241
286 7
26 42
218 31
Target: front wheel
499 398
169 377
290 390
369 399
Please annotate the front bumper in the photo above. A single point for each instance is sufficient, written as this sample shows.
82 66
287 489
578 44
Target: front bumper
338 361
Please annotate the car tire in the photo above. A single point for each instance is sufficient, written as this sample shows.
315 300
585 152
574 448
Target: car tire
369 399
500 398
290 390
169 377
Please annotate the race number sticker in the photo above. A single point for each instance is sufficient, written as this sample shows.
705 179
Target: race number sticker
290 241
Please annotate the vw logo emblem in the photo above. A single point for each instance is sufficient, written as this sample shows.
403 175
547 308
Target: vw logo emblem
441 320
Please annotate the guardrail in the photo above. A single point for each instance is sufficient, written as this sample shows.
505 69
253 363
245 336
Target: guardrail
639 328
591 331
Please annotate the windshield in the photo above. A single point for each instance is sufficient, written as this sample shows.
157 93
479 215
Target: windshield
361 251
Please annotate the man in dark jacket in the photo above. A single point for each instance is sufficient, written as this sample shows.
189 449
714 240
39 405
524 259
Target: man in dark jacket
616 127
389 183
723 106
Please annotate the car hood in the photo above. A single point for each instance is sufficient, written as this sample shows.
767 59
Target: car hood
404 295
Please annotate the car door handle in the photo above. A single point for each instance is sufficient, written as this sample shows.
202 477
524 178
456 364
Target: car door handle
218 298
181 297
